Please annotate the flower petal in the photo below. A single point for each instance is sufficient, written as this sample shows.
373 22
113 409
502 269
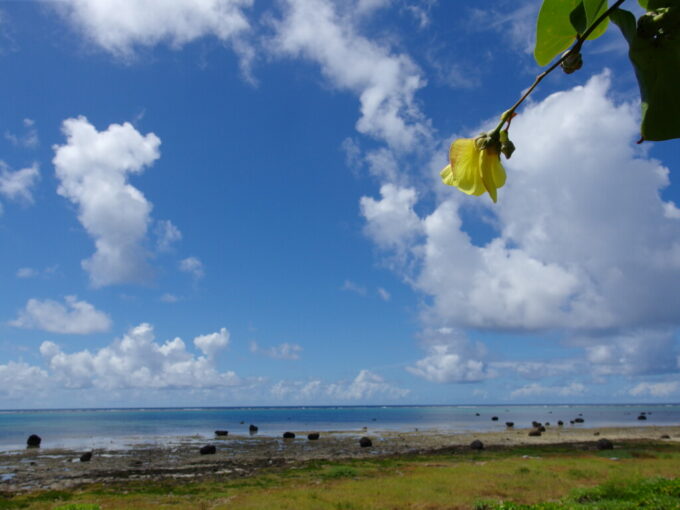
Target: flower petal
464 164
493 173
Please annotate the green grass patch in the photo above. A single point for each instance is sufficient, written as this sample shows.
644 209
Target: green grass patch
650 494
535 477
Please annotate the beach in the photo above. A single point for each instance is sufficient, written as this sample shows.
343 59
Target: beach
239 456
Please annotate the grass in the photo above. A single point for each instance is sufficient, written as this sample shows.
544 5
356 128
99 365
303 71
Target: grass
535 477
652 494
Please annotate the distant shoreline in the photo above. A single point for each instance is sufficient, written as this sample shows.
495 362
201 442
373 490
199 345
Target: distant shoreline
242 455
329 406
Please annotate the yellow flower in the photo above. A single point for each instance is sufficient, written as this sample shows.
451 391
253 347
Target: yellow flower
474 170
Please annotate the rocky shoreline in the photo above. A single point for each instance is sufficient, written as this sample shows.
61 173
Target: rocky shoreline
241 456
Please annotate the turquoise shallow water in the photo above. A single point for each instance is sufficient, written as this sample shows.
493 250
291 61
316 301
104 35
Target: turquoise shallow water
115 428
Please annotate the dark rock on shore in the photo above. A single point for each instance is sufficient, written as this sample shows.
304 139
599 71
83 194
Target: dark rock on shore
208 449
665 436
642 417
477 445
313 436
509 424
221 432
86 457
494 418
560 423
33 441
604 444
252 429
365 442
578 420
288 435
534 433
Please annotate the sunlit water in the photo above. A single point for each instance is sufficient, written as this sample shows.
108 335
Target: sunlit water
119 428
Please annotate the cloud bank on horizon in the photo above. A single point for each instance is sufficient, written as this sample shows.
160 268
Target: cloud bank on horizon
582 248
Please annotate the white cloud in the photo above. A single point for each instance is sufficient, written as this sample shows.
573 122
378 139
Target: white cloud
193 266
297 390
75 317
282 351
166 235
16 185
120 26
386 83
567 253
137 361
93 169
354 287
634 352
660 389
538 390
365 385
29 139
391 221
26 272
451 357
213 343
169 298
384 295
17 380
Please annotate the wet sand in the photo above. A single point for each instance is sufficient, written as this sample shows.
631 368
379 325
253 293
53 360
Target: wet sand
240 456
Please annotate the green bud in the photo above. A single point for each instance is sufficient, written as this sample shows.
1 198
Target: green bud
507 148
572 63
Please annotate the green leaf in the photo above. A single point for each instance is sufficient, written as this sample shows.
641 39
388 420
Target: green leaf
643 3
559 23
554 32
578 18
651 5
594 9
657 68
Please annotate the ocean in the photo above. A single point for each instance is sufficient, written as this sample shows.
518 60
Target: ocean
123 428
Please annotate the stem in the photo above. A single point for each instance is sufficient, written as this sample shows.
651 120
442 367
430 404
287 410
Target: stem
574 49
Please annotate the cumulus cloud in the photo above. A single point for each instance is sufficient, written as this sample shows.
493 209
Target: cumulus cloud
385 82
297 390
659 389
213 343
73 317
634 352
451 357
566 254
365 385
137 361
584 243
16 185
282 351
193 266
120 26
93 169
538 390
391 221
17 380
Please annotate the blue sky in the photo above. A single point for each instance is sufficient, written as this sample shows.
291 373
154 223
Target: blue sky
235 202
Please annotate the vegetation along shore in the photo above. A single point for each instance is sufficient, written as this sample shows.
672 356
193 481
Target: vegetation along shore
415 469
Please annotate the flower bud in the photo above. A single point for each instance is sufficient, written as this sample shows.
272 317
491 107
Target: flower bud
572 63
507 148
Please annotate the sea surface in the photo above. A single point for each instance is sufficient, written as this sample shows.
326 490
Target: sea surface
122 428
